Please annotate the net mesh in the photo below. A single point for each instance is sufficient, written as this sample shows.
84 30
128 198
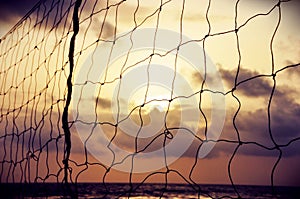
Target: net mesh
42 54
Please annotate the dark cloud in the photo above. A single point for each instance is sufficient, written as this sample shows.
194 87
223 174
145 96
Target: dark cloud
108 29
103 103
255 88
285 115
36 15
285 111
293 72
252 122
11 11
41 135
211 81
254 84
253 125
53 15
260 86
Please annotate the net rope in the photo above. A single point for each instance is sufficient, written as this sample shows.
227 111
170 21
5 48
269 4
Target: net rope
39 58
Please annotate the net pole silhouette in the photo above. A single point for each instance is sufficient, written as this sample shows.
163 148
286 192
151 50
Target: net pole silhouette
65 120
40 57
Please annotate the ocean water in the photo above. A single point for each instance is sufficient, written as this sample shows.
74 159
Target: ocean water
143 191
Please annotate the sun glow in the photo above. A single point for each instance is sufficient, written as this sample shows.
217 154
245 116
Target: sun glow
157 98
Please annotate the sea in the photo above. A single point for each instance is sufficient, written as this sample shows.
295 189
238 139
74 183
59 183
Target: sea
144 191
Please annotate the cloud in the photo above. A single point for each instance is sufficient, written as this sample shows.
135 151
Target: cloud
252 121
285 115
210 77
46 14
103 103
252 126
12 10
54 15
259 86
108 29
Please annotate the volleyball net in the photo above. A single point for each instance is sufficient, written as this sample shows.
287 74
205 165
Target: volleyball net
135 92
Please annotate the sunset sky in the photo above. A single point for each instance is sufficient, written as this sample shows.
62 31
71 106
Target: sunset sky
33 87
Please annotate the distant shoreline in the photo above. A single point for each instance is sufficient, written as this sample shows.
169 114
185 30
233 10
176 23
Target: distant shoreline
142 190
